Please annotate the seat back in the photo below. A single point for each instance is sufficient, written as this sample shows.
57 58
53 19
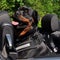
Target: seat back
5 27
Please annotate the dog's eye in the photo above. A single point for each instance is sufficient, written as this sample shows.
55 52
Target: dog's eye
17 13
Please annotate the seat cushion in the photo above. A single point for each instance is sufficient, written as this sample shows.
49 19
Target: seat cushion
56 38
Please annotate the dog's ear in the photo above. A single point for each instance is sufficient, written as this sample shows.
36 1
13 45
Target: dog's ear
35 16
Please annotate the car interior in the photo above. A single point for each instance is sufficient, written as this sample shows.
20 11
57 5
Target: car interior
44 42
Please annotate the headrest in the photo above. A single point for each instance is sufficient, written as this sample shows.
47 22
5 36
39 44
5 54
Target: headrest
59 25
4 17
50 23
